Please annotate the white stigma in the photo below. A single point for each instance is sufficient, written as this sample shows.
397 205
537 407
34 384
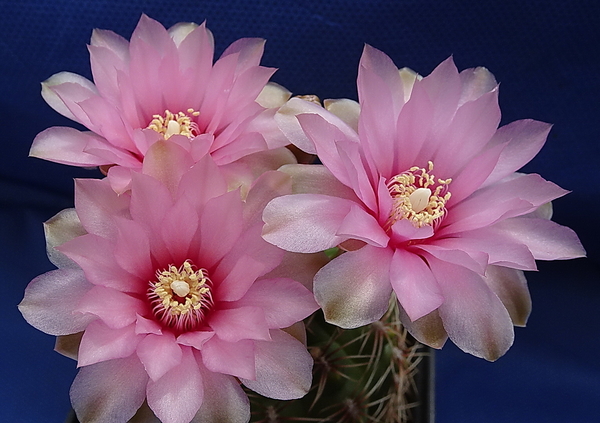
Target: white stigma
180 288
173 127
419 199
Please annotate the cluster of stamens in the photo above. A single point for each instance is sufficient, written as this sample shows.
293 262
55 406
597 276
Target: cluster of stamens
418 197
180 297
175 124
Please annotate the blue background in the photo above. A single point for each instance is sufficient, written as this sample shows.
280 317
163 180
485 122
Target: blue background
544 53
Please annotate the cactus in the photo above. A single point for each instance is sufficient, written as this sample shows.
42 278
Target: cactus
360 375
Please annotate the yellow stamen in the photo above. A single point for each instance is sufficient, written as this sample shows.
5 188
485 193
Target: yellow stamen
181 296
418 197
175 124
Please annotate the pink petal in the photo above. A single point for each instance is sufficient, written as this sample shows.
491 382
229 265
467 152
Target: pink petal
232 325
111 41
443 86
101 343
545 239
110 391
195 339
220 227
179 228
97 206
159 354
50 301
472 127
359 224
119 179
106 65
511 197
403 230
381 96
283 301
474 317
522 139
145 326
414 284
450 252
305 223
203 182
249 51
116 309
177 396
231 358
283 368
267 186
302 267
100 268
224 400
196 55
238 148
66 146
150 201
132 249
354 289
510 286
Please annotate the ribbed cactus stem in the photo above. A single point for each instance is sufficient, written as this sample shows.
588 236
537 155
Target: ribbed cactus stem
360 375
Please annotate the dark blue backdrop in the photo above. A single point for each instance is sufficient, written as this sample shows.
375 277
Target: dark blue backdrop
544 53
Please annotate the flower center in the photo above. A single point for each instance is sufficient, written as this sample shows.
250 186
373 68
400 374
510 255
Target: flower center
418 197
175 124
180 297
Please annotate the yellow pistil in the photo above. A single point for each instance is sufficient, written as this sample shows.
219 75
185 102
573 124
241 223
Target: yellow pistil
181 296
175 124
418 197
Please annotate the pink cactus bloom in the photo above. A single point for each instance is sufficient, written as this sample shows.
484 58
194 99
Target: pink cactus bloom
169 285
162 85
419 186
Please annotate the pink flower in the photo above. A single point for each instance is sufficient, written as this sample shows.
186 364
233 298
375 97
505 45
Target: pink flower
162 85
169 284
421 188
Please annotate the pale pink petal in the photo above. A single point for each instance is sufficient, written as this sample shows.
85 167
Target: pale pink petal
474 260
249 51
510 286
167 162
159 354
545 239
522 139
101 343
231 358
116 309
106 64
300 266
268 185
65 145
224 400
284 301
119 179
150 201
111 391
475 83
283 368
235 324
238 148
359 224
177 396
60 228
346 109
220 227
354 289
196 56
443 86
98 206
68 345
414 284
474 317
403 230
195 339
305 223
111 41
203 182
316 179
428 330
273 96
55 101
50 301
